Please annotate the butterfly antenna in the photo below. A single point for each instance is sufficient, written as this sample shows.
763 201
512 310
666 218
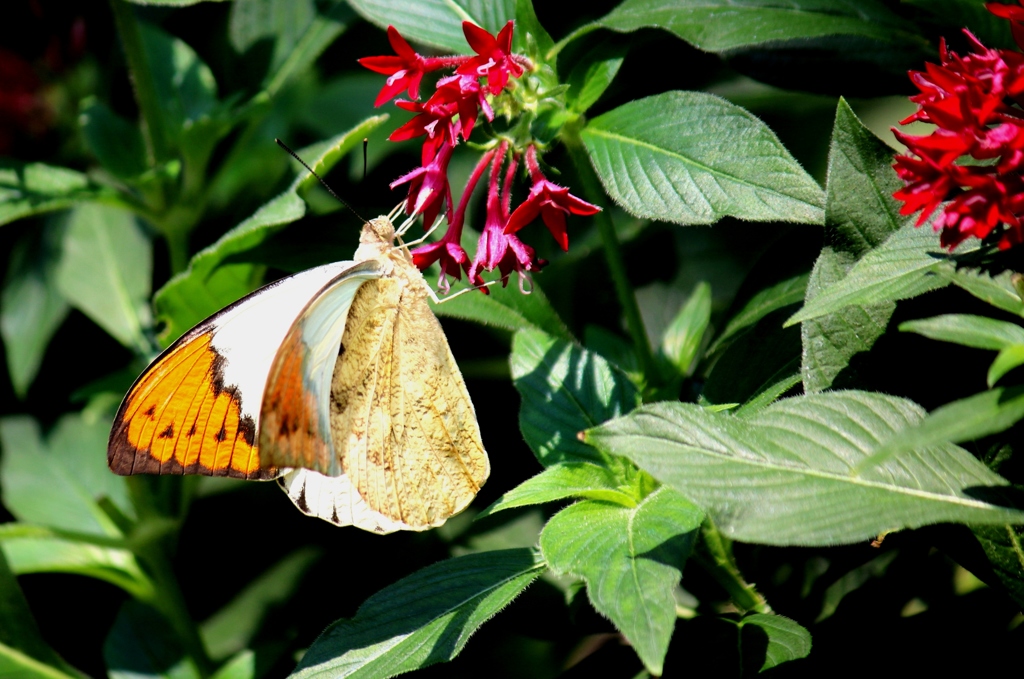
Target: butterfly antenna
341 200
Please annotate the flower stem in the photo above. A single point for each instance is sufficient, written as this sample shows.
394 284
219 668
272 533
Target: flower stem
714 554
612 253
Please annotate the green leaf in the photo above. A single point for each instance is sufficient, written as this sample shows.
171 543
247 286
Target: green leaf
437 22
185 86
631 559
507 308
989 412
768 395
754 362
788 475
300 34
172 3
105 271
860 214
34 188
980 332
1004 547
900 268
527 24
561 481
1008 359
117 143
565 389
15 664
999 290
209 285
242 666
721 25
142 644
693 158
591 76
769 300
422 619
233 627
770 640
31 306
683 336
21 644
33 549
57 483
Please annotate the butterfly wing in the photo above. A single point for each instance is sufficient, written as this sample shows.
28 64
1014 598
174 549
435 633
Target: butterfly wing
295 430
402 420
334 499
195 408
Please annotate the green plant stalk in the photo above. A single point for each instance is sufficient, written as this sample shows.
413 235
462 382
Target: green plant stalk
167 595
714 554
154 131
570 135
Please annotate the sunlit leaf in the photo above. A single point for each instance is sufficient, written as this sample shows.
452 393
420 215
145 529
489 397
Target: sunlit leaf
437 22
860 214
693 158
789 475
770 640
980 332
506 308
631 559
105 271
561 481
422 619
31 306
34 188
565 389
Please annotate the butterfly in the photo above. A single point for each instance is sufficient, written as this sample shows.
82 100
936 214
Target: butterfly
338 382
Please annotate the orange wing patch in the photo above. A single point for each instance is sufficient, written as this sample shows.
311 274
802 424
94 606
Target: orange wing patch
179 418
290 428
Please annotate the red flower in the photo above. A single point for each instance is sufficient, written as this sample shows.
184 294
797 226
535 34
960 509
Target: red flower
405 70
494 57
448 251
970 100
496 249
428 186
1016 17
550 201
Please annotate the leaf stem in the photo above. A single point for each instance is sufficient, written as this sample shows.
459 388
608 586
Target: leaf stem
612 250
714 554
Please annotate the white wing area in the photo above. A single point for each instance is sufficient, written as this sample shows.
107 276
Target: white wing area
248 333
334 499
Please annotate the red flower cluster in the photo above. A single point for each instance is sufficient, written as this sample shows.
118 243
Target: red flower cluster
972 100
449 114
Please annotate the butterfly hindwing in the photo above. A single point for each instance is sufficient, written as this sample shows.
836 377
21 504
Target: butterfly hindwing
401 416
195 410
333 499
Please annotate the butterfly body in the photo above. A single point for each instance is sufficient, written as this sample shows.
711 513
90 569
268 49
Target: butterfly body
363 415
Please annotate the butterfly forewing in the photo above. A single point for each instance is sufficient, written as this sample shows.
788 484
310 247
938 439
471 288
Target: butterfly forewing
196 409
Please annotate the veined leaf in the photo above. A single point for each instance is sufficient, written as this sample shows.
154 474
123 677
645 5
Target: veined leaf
721 25
565 389
791 474
207 285
631 559
1004 547
999 290
980 332
34 188
437 22
693 158
422 619
900 268
770 640
860 215
508 308
105 271
561 481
